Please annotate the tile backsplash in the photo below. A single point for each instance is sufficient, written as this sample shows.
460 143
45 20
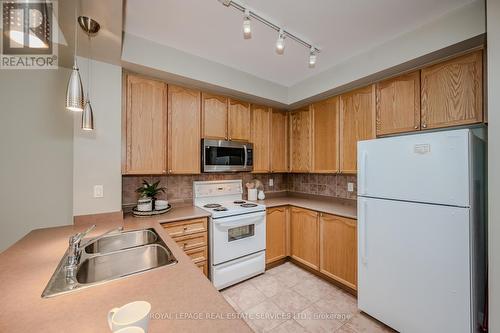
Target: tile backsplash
180 187
323 184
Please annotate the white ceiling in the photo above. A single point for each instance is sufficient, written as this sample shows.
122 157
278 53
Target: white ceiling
341 29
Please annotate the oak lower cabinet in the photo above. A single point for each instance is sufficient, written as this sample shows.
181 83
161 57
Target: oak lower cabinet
325 136
192 238
184 120
452 92
260 131
304 236
279 141
144 126
398 104
238 120
338 249
214 116
276 234
357 122
300 140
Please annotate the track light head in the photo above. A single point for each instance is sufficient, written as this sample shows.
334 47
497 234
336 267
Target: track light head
280 43
247 28
312 57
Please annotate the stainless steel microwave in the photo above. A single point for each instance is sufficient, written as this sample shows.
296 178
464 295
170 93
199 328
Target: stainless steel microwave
226 156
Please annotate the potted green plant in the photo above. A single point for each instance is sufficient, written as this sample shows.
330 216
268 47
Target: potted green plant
148 190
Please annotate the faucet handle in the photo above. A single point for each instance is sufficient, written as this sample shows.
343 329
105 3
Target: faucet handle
81 235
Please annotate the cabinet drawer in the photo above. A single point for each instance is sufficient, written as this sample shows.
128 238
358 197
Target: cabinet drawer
192 241
183 228
198 254
203 266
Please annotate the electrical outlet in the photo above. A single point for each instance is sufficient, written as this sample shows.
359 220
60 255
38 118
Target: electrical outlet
350 187
271 182
98 191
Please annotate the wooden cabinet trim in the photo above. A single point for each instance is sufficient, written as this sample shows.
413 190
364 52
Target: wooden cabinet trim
183 228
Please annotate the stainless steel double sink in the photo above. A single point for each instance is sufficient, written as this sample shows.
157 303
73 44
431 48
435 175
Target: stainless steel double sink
112 257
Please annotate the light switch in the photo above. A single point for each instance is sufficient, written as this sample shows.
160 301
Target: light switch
98 191
350 187
271 182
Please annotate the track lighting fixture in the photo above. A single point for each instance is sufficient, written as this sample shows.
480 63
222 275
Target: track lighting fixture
280 43
247 29
282 33
312 57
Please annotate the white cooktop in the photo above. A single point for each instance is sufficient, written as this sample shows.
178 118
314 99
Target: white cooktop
223 198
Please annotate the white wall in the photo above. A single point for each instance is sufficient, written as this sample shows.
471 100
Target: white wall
36 152
456 26
493 29
97 154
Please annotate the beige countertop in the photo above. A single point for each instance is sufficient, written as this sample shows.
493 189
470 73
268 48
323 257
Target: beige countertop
341 207
26 267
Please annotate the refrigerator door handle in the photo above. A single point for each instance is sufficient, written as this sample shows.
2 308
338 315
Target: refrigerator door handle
362 173
362 232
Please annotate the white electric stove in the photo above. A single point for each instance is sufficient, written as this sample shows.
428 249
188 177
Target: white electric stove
237 231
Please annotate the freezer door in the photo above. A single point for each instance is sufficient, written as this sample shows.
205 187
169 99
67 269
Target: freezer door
429 167
413 265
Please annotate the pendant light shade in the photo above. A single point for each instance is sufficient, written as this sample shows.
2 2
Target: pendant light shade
74 92
87 117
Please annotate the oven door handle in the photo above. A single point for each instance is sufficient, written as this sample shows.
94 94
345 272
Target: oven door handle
246 155
240 224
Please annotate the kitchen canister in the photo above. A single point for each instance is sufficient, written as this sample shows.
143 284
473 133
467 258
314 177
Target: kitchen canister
145 205
252 194
261 195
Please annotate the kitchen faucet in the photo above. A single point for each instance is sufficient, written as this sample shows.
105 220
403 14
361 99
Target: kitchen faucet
75 248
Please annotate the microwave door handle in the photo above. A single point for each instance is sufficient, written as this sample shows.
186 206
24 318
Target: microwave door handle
246 155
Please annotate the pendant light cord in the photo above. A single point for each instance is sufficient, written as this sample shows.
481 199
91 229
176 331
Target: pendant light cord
89 71
76 29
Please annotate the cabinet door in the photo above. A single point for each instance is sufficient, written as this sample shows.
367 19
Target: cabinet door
325 136
214 114
239 120
452 92
398 104
184 115
145 126
276 233
260 127
338 249
279 141
357 122
300 140
305 236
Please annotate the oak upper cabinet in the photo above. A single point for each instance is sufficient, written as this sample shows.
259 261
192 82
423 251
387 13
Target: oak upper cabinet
184 119
144 126
239 121
260 130
357 122
325 136
276 234
398 104
304 232
214 114
338 249
300 140
279 141
452 92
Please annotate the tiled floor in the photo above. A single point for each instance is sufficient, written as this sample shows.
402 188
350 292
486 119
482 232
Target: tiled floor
289 299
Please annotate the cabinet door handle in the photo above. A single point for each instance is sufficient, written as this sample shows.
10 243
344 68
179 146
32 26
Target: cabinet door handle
416 126
185 228
424 126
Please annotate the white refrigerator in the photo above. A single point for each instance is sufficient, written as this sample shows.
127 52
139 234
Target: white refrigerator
421 230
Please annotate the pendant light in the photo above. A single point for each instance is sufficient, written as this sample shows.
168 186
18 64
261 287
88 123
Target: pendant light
74 91
91 28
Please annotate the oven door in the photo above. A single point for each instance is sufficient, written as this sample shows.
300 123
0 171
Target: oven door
226 156
237 236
